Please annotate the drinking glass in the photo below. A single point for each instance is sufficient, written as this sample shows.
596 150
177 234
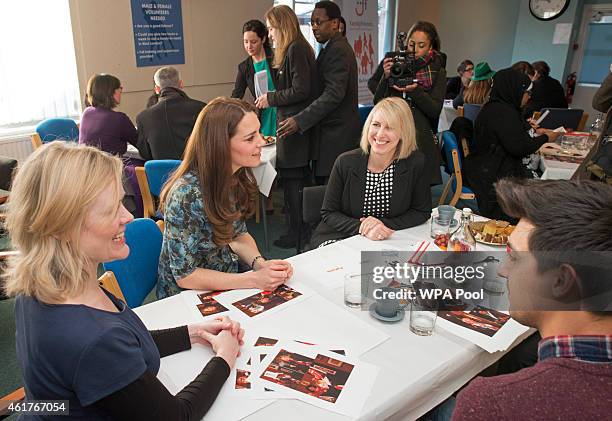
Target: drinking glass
352 290
423 315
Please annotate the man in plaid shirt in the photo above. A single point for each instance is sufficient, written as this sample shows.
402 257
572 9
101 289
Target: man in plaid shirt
559 271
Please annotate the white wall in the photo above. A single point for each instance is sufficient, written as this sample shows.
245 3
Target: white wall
212 29
479 30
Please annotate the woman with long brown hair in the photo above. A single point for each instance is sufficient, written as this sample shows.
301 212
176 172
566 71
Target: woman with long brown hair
295 63
206 202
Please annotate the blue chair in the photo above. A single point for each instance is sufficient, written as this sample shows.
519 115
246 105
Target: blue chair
569 118
470 111
133 278
55 129
455 183
364 111
151 179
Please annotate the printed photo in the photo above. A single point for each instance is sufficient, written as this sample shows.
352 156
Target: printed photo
266 300
479 319
321 377
242 379
209 305
263 341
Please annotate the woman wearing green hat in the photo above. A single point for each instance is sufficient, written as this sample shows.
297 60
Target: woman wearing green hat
478 90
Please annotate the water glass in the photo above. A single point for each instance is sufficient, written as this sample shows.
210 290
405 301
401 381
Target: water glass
352 290
439 226
423 315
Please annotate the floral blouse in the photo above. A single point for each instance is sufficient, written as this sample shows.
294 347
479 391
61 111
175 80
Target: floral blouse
188 242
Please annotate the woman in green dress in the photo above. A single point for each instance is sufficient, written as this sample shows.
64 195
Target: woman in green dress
256 72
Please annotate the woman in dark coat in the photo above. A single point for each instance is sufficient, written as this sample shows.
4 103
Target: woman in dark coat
379 188
295 63
257 46
426 97
502 140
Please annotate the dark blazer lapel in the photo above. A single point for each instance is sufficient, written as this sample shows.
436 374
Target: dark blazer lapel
401 182
358 184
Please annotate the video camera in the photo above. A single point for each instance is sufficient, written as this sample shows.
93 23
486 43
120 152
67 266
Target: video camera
403 69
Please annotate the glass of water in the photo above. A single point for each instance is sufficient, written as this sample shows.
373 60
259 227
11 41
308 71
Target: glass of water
423 315
352 290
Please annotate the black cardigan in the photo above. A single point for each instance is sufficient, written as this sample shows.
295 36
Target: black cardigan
410 203
246 74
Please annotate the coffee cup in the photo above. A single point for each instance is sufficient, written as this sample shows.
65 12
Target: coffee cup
388 307
446 212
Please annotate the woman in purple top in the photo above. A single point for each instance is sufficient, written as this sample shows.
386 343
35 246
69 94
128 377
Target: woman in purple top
102 127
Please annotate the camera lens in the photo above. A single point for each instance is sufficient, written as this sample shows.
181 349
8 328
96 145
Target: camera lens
397 69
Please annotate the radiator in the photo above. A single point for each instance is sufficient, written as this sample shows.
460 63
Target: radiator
18 147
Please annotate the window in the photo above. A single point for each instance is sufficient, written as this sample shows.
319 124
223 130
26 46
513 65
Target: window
37 64
597 52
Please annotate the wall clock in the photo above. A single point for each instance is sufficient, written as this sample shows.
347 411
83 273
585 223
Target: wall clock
547 9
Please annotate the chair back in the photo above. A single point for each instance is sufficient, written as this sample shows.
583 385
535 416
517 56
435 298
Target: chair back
137 274
453 159
7 166
450 144
312 201
58 129
158 171
364 112
569 118
470 111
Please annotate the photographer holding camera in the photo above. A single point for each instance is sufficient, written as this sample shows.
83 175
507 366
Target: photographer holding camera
417 73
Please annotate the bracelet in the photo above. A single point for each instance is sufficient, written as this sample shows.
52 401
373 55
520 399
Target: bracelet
254 260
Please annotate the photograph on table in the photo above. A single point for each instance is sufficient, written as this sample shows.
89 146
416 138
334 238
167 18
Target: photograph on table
479 319
317 376
266 300
321 377
242 379
209 305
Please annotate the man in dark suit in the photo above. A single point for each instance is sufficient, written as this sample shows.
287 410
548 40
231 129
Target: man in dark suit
335 111
546 93
163 129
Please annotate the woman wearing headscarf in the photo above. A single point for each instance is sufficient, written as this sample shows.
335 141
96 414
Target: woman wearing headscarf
502 140
425 97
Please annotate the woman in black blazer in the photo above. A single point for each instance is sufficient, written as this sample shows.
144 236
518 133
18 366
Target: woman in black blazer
295 63
257 46
381 187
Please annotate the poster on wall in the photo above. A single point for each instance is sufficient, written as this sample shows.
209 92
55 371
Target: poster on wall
158 32
362 34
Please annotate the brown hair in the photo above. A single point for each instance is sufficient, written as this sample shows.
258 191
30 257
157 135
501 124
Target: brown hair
101 91
283 18
572 224
429 29
227 197
523 67
477 91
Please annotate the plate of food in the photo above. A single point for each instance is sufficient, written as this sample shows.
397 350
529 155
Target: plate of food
491 232
270 140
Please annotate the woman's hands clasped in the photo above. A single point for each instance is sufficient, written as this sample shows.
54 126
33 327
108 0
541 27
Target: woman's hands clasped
270 274
374 229
223 334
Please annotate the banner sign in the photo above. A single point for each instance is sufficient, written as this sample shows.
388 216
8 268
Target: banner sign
158 32
362 34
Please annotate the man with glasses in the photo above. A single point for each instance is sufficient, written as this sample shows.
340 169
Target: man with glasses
455 85
335 111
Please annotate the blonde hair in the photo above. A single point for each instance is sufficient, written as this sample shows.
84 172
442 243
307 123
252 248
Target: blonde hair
399 116
51 197
283 18
477 91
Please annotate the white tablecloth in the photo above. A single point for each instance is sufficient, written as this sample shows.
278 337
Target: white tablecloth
447 116
416 373
557 170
